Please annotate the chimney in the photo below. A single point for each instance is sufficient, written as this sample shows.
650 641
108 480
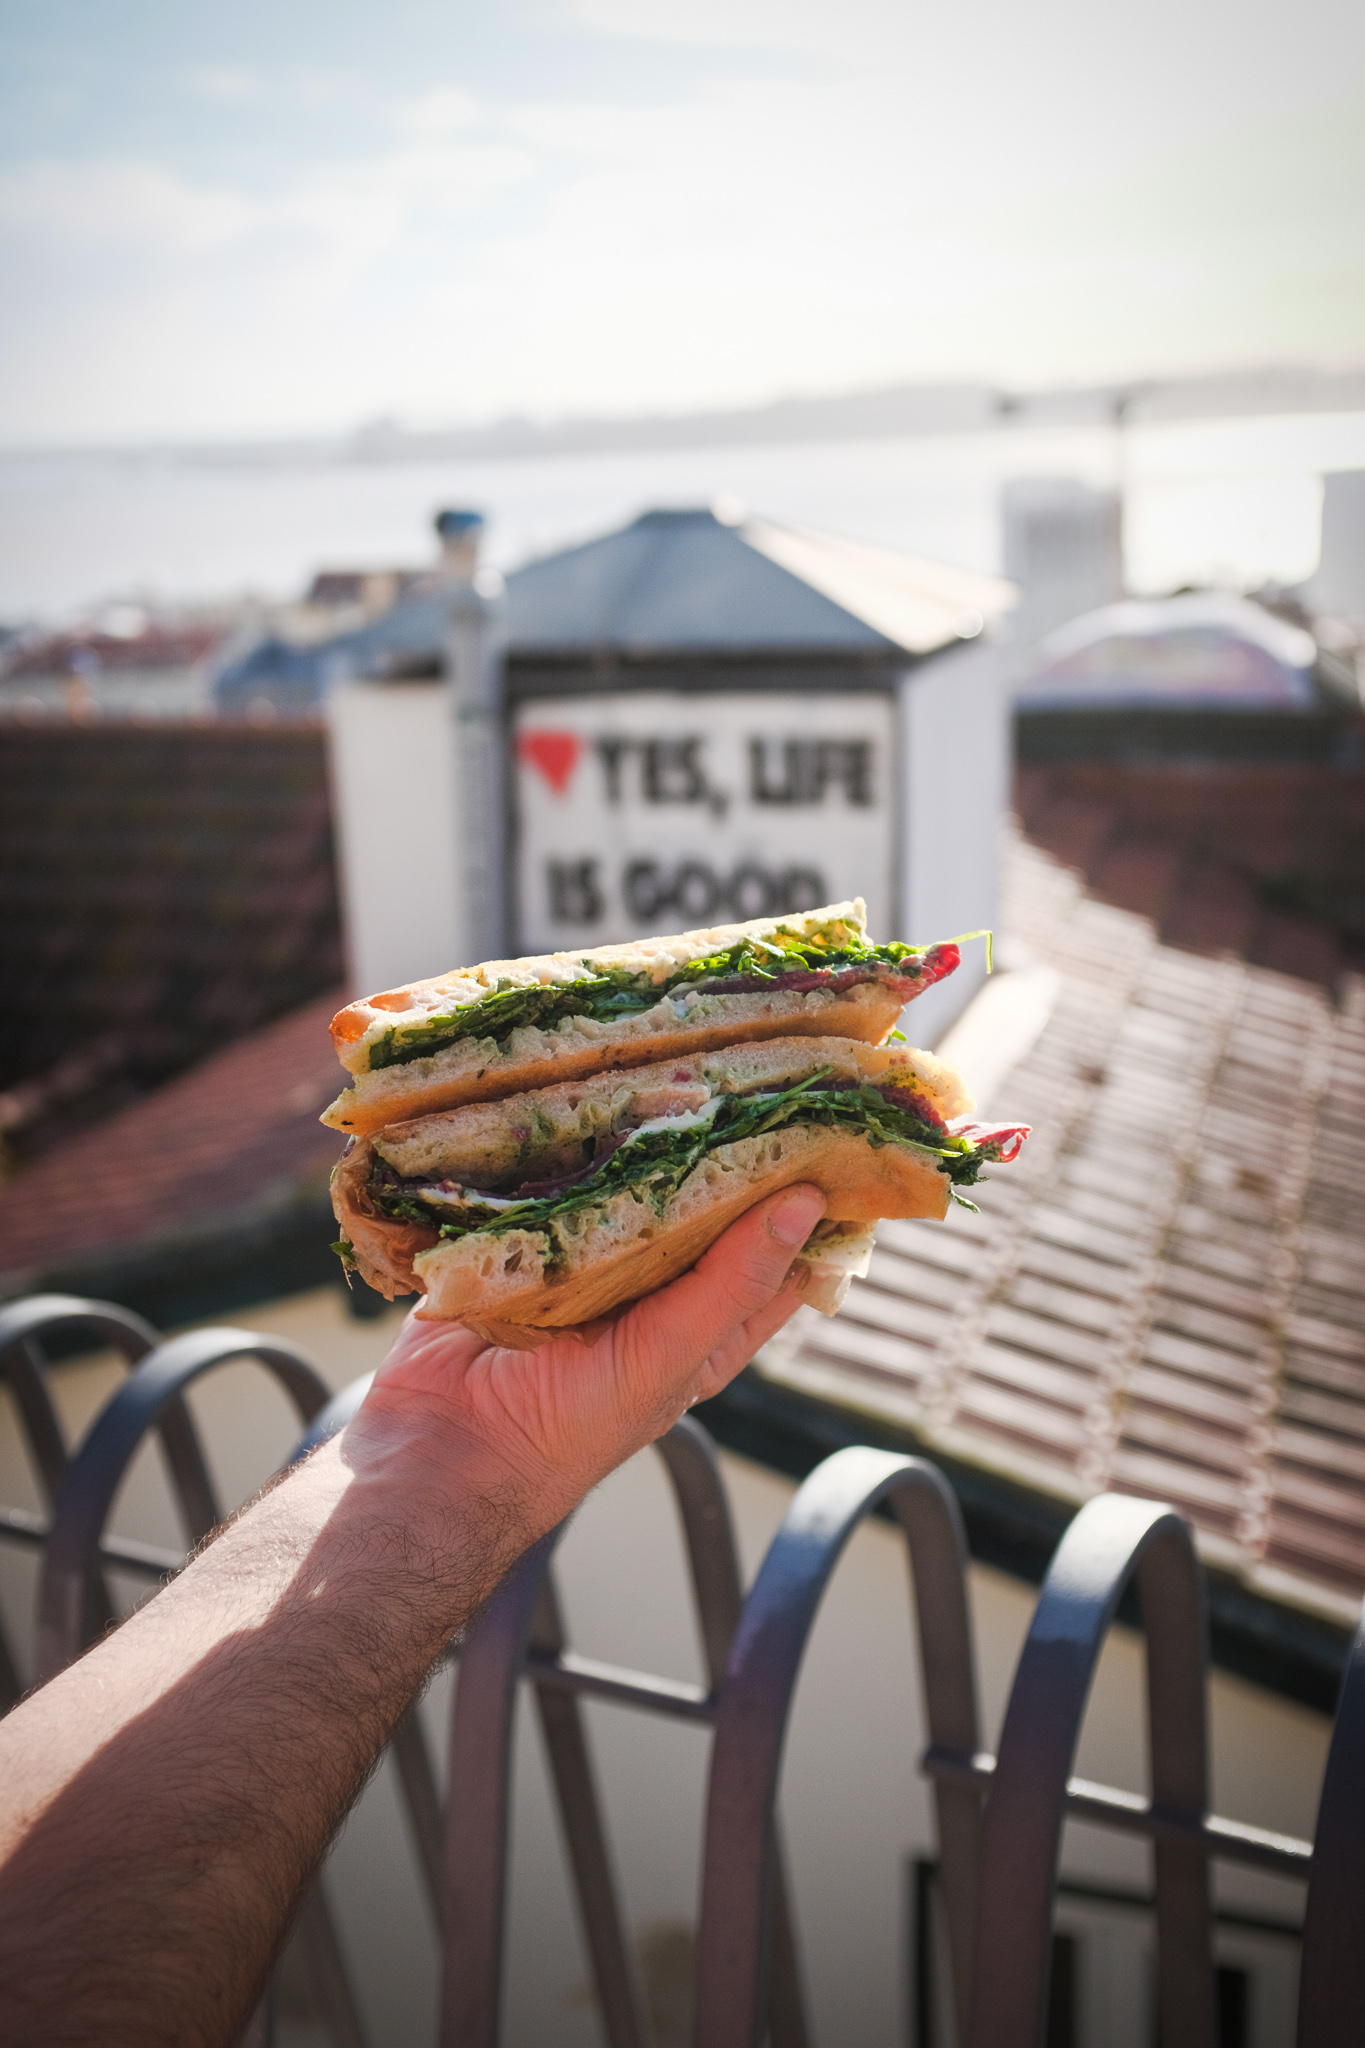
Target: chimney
460 532
1063 542
417 781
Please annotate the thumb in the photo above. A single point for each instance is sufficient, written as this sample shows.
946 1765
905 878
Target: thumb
680 1326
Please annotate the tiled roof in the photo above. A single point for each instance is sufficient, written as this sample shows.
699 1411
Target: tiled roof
237 1133
1266 861
163 890
1165 1295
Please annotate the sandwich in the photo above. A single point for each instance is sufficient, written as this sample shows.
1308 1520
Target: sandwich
480 1034
550 1208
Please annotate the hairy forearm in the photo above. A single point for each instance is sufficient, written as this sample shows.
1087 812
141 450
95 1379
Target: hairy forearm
165 1799
192 1767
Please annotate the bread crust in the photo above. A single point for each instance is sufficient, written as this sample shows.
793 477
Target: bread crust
608 1249
476 1070
382 1248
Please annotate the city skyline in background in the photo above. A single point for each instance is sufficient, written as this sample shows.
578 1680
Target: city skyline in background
291 222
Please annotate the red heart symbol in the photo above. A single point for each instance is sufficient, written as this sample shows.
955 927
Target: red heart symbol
553 754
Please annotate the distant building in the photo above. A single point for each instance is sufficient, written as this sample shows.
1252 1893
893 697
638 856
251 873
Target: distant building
1063 546
1204 673
390 623
681 586
126 661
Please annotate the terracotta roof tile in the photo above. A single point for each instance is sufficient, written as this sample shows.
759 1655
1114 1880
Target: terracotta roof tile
163 890
238 1128
1262 861
1164 1294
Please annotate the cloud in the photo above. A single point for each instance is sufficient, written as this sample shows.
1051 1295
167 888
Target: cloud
73 206
226 84
808 228
445 110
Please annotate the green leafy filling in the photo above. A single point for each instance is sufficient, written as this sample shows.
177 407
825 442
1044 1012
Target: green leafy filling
620 992
652 1168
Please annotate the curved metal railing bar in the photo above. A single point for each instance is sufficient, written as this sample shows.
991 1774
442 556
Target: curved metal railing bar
72 1600
585 1836
1332 1970
150 1398
718 1596
521 1631
477 1803
731 2003
1110 1541
23 1327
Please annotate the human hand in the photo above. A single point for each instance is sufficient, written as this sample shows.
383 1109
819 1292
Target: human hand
545 1425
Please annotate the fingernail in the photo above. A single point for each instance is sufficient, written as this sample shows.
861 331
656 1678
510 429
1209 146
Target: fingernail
794 1215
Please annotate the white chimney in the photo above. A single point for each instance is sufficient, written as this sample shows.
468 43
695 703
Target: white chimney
1338 584
1063 543
416 789
396 806
955 795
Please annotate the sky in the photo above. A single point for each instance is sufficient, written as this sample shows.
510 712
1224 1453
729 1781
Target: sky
298 217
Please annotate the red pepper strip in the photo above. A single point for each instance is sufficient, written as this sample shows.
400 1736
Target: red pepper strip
932 966
1000 1141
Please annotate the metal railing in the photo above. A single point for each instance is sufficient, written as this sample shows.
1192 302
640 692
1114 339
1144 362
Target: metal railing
999 1818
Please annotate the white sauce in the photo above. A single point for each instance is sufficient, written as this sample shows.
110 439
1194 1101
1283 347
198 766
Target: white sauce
468 1198
687 1121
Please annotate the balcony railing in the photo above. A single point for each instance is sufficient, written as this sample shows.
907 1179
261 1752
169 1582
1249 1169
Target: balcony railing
999 1818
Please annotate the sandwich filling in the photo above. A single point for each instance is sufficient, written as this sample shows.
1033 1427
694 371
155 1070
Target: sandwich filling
652 1158
785 959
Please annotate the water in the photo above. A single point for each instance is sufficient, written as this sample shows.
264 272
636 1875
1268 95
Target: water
1231 501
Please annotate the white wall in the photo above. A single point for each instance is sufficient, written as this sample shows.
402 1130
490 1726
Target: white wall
955 766
396 807
1339 582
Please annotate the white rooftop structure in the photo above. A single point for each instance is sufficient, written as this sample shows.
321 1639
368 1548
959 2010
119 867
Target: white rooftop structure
1202 651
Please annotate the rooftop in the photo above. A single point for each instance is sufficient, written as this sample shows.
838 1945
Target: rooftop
678 581
1258 859
1201 650
1164 1295
223 1168
703 581
163 889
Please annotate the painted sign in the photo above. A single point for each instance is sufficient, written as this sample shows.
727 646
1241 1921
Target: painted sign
648 811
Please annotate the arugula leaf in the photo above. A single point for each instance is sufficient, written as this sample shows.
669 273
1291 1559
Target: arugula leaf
652 1168
619 992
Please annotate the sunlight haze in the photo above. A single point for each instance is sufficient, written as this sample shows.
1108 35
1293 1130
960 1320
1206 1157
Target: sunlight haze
296 219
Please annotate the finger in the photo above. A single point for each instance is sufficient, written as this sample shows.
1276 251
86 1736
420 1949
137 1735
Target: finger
735 1351
671 1333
